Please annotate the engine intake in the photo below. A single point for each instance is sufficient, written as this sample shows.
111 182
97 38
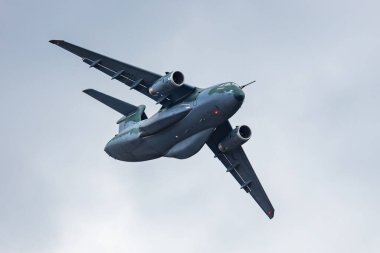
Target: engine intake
167 83
235 138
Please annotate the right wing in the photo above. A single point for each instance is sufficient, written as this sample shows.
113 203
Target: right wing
136 78
237 163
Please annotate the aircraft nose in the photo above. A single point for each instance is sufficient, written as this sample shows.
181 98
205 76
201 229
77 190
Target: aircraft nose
239 94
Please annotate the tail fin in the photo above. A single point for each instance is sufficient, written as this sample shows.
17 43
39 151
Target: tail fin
132 114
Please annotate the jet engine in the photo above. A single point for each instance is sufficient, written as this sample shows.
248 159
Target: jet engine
235 138
167 83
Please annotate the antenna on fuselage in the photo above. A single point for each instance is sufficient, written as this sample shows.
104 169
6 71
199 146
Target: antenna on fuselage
245 85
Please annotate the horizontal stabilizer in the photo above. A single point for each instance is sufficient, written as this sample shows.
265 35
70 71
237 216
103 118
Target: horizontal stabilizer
116 104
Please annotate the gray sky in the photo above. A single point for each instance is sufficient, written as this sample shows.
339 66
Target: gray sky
314 112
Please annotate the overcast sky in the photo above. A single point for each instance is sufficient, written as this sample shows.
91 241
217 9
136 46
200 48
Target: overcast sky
314 112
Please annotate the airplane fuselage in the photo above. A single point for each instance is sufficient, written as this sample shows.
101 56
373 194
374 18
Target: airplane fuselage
201 113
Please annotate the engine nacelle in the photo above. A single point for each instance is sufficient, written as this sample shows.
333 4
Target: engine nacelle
235 138
167 83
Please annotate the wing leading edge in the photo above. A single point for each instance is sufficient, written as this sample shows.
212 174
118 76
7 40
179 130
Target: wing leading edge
136 78
240 168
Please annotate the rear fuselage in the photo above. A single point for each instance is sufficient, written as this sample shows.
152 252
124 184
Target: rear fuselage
189 126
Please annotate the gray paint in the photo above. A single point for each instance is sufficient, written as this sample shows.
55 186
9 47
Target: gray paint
163 119
154 137
189 146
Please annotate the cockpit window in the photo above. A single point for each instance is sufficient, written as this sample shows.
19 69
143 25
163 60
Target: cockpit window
223 88
225 84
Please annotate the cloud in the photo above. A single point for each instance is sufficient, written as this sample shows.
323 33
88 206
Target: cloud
313 111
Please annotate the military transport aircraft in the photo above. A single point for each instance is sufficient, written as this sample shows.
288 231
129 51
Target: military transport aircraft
189 118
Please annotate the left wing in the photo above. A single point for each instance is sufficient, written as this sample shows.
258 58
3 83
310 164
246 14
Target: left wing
136 78
239 166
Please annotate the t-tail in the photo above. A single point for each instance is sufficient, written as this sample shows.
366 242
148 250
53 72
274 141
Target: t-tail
132 114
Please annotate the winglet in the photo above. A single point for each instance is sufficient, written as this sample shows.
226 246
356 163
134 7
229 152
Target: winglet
270 214
56 42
